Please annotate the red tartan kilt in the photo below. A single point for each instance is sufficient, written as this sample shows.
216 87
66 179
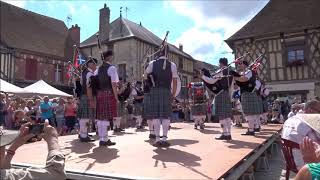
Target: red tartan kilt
106 105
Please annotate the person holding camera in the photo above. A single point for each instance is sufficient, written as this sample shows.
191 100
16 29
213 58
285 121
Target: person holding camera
55 162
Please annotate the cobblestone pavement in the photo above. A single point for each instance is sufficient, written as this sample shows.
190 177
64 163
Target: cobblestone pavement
277 165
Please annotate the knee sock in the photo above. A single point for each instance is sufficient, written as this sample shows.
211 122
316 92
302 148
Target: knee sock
228 122
102 129
251 122
150 125
156 125
117 122
83 127
138 120
165 128
223 126
257 121
237 119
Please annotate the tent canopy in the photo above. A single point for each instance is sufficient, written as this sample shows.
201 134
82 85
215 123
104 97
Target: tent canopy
10 88
42 88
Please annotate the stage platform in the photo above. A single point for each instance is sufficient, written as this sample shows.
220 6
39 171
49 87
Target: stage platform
193 154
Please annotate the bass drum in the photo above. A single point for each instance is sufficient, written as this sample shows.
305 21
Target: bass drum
178 87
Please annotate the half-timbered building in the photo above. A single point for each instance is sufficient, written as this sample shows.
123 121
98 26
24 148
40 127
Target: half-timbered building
288 34
34 47
132 43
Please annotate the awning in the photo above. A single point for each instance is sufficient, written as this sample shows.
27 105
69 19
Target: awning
42 88
10 88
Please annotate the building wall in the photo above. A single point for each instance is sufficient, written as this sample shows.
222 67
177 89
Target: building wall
133 53
45 69
275 68
6 64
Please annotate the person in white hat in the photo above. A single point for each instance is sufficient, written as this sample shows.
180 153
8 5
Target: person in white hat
55 162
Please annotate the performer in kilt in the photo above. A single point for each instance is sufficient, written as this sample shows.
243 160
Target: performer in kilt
257 124
157 105
137 94
251 105
236 106
121 105
264 92
222 106
87 105
199 97
107 97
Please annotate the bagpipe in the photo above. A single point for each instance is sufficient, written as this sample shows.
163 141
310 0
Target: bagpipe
125 93
148 79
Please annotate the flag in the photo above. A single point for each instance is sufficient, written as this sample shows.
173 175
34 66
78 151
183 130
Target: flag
75 57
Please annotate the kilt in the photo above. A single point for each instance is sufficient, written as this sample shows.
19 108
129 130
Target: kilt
157 104
106 105
199 109
121 109
138 109
84 110
236 112
251 103
222 107
265 105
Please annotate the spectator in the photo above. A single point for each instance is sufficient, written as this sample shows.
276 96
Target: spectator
36 107
294 109
70 114
29 106
175 111
295 129
54 168
3 108
18 119
60 114
23 105
46 111
9 117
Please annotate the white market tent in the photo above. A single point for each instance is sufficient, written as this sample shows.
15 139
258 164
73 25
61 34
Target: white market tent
42 88
10 88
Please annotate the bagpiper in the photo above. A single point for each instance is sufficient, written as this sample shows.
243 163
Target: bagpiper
137 93
251 105
87 105
222 106
121 105
157 105
236 106
107 97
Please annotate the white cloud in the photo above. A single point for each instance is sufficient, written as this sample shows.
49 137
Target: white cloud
16 3
214 22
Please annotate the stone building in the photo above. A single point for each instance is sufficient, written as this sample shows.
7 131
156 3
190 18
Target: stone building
132 43
198 65
288 32
34 47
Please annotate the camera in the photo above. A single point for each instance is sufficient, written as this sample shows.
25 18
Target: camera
36 128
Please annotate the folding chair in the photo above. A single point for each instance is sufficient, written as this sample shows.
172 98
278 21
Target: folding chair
287 147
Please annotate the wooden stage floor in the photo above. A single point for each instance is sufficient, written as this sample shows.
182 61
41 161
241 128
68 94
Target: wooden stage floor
193 154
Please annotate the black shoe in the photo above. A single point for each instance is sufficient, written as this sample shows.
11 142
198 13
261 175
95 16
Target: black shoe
195 127
117 130
90 135
222 137
202 127
152 136
165 143
121 130
86 139
256 129
109 143
157 144
102 143
238 125
228 137
248 133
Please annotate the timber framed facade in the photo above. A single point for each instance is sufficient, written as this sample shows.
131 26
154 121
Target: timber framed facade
291 63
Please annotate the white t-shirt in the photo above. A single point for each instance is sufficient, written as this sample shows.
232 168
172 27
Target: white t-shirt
294 129
173 68
89 74
112 72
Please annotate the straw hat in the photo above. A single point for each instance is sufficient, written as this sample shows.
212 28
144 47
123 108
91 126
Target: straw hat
312 120
7 136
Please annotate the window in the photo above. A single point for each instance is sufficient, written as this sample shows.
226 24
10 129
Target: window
184 81
122 71
180 63
58 73
295 53
31 69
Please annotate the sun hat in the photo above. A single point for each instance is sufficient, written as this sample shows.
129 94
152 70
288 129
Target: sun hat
312 120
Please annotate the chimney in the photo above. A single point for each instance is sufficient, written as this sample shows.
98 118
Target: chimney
104 23
74 34
181 47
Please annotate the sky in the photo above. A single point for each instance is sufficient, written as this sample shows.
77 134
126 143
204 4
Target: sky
201 26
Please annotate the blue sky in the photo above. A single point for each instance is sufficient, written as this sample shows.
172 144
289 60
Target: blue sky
201 26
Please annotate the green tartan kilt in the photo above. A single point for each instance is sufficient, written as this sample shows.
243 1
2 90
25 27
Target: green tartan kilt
222 107
84 110
121 109
251 103
199 109
157 104
137 111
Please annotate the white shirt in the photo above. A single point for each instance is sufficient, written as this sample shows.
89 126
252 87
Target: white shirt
173 68
294 129
212 80
112 72
291 114
248 74
258 84
89 74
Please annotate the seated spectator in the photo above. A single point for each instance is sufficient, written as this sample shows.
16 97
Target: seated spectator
54 168
295 129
